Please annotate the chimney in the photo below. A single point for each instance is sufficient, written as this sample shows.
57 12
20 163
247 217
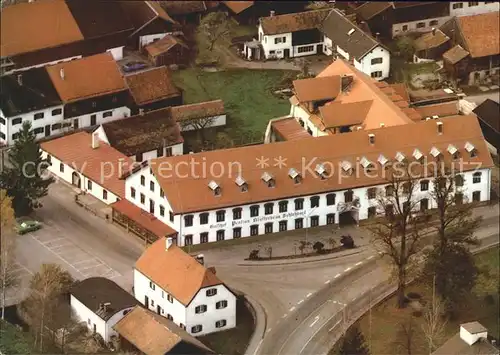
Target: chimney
212 269
95 140
272 13
346 81
105 306
382 124
20 79
472 332
169 243
440 127
141 111
371 138
200 258
433 31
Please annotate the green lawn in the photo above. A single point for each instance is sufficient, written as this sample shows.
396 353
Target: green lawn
386 319
247 95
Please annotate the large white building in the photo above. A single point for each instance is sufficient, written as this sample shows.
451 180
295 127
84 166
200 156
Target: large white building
234 193
469 8
100 303
180 288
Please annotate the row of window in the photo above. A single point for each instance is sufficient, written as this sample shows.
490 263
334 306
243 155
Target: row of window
460 5
159 153
151 202
37 116
377 60
421 25
254 229
376 74
198 328
202 308
305 49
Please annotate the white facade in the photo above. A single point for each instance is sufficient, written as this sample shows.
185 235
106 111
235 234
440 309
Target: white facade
403 28
158 300
147 39
70 175
96 323
302 116
43 64
469 8
277 46
117 53
376 63
471 338
213 121
100 117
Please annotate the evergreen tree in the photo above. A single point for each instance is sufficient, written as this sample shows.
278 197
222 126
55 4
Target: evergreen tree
24 180
354 343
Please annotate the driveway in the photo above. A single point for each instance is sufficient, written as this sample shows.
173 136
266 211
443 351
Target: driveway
479 98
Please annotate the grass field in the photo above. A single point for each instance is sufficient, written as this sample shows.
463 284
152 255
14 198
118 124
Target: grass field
247 95
386 320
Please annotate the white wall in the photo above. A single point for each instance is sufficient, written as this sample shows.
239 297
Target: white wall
207 320
83 314
177 149
67 176
301 114
117 113
156 297
147 39
367 67
397 28
467 10
219 120
471 338
327 45
117 52
43 64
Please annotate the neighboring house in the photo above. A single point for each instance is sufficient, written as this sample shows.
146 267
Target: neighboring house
431 46
471 340
29 96
343 38
341 99
315 188
424 97
284 129
200 115
151 334
92 89
489 119
166 51
152 89
186 12
242 11
469 8
144 137
391 19
177 286
474 53
292 35
94 167
100 303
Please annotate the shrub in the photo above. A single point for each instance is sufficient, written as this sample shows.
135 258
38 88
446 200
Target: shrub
254 255
319 247
414 295
347 241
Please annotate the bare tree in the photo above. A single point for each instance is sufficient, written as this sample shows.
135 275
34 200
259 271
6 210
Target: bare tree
215 26
398 234
405 337
7 244
40 306
433 327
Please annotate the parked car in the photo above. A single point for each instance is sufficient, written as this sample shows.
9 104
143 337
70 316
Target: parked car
133 66
28 226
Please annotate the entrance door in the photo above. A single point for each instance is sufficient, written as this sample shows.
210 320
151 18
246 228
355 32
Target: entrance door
347 218
75 123
47 130
93 120
319 47
75 179
158 309
286 53
146 301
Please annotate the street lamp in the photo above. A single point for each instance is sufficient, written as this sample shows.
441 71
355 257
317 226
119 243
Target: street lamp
307 220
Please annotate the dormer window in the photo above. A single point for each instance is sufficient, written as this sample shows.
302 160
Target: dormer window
470 149
347 167
321 171
241 183
417 154
367 165
294 174
268 179
435 152
400 157
214 187
382 160
453 151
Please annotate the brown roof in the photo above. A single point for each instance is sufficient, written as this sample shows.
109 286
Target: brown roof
419 96
474 327
87 77
238 6
42 24
456 346
364 88
289 129
183 7
337 114
101 165
154 334
144 219
307 20
151 85
186 194
430 40
164 45
412 114
401 90
442 109
314 89
159 11
455 54
481 33
175 271
198 110
143 133
370 9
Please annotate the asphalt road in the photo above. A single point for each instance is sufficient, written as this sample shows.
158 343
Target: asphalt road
320 320
479 98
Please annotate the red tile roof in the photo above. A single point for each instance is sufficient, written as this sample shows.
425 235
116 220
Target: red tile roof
481 33
289 129
151 85
238 6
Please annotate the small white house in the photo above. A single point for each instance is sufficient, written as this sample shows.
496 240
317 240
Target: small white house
100 303
471 339
180 288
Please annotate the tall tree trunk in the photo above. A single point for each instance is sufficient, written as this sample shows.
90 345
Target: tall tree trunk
401 286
